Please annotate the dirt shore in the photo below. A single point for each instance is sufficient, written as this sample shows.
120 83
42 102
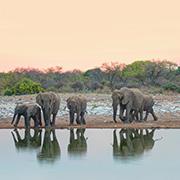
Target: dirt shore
167 108
105 122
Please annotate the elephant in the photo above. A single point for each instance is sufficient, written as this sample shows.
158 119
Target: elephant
132 143
128 99
148 107
78 105
148 104
28 111
49 103
29 141
78 145
50 150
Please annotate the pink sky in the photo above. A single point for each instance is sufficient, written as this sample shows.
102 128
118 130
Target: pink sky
83 34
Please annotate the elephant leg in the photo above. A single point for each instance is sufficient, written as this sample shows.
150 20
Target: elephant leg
17 121
153 114
36 122
71 114
39 118
146 116
82 118
128 110
27 121
77 118
122 108
141 115
114 113
53 119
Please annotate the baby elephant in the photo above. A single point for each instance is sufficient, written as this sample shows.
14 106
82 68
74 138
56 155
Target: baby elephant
28 111
78 105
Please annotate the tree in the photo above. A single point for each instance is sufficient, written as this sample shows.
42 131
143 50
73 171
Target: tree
113 71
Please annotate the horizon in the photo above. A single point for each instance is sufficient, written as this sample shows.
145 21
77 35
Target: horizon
87 34
82 70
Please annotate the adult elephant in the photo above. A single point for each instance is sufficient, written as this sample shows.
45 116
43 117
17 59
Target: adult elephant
128 99
77 105
49 103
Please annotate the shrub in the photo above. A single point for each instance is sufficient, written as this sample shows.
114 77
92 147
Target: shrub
172 87
25 86
77 86
8 92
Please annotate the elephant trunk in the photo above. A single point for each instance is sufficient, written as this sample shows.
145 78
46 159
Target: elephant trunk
71 117
47 116
13 118
114 112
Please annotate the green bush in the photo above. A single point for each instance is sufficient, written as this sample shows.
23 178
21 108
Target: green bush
8 92
25 86
172 87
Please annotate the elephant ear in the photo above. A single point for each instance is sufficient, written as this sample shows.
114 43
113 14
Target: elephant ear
39 99
126 97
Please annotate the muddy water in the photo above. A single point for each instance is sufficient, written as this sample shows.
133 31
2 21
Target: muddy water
90 154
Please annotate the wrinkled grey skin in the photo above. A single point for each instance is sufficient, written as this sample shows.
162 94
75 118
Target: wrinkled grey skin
148 104
49 103
28 111
128 99
148 107
133 142
77 105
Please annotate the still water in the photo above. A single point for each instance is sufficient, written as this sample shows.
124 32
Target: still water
90 154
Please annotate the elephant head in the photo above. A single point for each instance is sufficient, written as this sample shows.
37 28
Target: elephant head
20 109
120 97
77 104
49 103
116 97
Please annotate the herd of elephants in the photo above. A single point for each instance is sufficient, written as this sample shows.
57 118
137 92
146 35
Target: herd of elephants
126 143
131 102
129 142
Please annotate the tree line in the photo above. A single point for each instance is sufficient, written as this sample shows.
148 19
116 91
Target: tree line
163 75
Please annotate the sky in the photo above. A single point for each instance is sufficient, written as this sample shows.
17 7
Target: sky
83 34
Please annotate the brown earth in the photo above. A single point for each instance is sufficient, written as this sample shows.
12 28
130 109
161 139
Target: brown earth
167 121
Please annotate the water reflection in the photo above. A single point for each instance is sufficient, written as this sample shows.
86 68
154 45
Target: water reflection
132 142
77 145
50 150
27 141
127 143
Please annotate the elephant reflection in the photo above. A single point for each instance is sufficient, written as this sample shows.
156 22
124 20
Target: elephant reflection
133 142
29 141
78 145
50 149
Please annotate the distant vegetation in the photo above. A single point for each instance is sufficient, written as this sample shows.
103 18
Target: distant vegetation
163 75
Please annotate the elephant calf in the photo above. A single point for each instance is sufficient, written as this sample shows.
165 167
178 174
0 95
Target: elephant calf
78 105
28 111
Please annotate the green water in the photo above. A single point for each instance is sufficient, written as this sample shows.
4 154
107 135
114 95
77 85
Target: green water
90 154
